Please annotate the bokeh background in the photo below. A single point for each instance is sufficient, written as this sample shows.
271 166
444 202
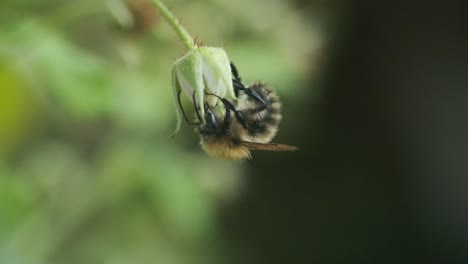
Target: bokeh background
375 95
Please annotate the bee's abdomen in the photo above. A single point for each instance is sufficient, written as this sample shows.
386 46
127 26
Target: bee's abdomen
262 120
225 148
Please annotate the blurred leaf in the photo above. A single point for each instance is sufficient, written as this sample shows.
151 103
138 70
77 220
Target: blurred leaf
19 110
17 196
77 81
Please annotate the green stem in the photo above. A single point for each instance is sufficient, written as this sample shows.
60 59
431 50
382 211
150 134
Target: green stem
176 25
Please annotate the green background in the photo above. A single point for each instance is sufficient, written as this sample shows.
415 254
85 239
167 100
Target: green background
88 173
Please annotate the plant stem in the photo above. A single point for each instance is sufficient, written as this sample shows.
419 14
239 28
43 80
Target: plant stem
176 24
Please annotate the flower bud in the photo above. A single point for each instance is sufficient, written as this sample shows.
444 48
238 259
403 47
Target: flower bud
202 70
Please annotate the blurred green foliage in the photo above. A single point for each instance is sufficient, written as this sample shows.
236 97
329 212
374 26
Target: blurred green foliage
88 173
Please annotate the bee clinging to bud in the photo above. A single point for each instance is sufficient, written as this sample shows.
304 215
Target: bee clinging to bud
248 124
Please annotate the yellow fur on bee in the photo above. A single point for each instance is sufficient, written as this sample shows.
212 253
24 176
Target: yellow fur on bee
225 150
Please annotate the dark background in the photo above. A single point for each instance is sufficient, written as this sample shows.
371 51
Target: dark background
382 174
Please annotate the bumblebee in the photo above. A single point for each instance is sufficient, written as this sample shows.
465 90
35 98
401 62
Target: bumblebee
250 124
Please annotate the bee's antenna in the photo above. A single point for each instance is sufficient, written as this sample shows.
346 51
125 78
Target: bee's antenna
183 112
197 111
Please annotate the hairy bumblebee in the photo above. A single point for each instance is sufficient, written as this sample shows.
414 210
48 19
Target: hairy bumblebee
250 124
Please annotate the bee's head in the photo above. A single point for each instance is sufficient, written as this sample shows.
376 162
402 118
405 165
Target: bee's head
210 118
211 126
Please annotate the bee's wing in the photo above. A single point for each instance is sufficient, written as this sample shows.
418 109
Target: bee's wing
268 146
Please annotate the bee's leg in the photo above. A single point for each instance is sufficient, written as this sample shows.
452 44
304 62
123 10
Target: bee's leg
183 112
237 80
238 86
230 107
227 120
235 73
